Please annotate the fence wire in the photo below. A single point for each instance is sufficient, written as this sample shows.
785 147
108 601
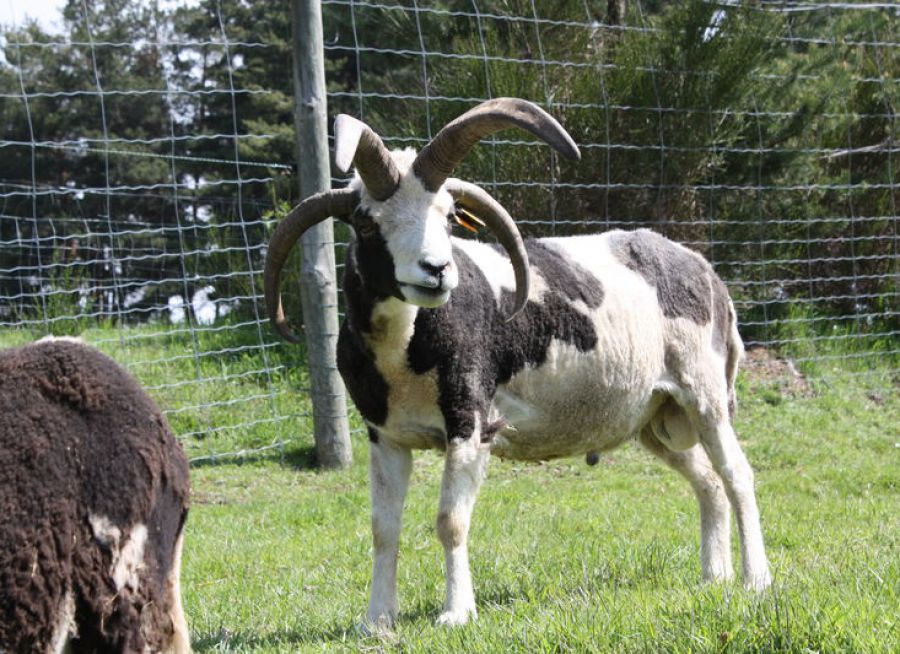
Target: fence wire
762 135
146 153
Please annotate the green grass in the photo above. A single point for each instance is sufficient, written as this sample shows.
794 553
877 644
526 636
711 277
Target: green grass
570 558
566 558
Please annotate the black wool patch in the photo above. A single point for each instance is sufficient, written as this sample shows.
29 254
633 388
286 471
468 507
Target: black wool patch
681 278
455 338
564 277
373 259
526 339
474 348
367 387
356 363
468 340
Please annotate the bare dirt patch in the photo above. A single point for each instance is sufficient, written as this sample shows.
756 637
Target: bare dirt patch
762 366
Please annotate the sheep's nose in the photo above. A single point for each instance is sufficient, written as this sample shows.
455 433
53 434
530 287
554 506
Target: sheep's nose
434 266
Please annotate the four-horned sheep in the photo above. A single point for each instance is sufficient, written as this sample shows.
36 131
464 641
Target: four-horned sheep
526 349
94 496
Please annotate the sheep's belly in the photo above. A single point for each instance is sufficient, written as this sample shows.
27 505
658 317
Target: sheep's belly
576 402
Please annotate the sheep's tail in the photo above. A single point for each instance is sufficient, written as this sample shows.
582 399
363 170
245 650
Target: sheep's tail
733 355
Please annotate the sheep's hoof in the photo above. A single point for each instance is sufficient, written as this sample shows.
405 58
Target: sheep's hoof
758 582
718 576
378 626
457 618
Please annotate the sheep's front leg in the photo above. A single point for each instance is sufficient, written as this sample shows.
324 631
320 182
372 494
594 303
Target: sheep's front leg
389 469
464 469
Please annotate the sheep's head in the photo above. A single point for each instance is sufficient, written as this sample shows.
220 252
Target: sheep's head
401 206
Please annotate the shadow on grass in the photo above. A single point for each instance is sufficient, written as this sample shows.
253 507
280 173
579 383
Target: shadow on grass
228 640
427 611
301 458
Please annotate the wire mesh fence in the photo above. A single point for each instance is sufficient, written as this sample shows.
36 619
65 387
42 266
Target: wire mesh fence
147 152
137 194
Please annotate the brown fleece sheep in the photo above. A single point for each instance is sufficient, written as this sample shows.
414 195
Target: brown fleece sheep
93 497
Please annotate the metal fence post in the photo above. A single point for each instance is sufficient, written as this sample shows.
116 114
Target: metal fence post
317 275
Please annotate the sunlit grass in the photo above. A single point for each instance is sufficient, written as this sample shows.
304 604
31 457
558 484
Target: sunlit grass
568 558
565 557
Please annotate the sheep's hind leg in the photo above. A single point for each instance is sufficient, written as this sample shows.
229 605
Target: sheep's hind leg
464 468
389 469
181 642
728 459
715 527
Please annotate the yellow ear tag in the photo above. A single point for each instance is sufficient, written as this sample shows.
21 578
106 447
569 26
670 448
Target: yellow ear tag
466 219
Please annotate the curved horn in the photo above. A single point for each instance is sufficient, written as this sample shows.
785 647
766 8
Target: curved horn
437 160
311 211
501 224
356 144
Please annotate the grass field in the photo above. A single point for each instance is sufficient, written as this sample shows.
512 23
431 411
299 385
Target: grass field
566 558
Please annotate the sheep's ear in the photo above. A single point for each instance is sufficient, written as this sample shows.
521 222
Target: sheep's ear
347 132
356 144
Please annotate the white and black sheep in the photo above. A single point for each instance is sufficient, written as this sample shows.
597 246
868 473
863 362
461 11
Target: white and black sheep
94 495
531 350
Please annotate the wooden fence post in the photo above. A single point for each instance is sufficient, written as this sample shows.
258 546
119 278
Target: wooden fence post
317 275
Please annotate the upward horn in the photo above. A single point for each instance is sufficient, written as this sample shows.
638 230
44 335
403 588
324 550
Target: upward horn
436 161
311 211
355 143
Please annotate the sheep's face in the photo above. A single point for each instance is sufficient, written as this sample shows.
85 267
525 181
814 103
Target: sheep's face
404 248
401 206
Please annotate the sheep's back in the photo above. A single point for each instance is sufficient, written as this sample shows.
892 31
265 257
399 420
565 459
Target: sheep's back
79 440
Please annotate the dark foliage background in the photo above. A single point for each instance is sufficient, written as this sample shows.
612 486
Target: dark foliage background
765 138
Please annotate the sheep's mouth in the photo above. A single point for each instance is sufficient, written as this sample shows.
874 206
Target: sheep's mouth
426 296
435 291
